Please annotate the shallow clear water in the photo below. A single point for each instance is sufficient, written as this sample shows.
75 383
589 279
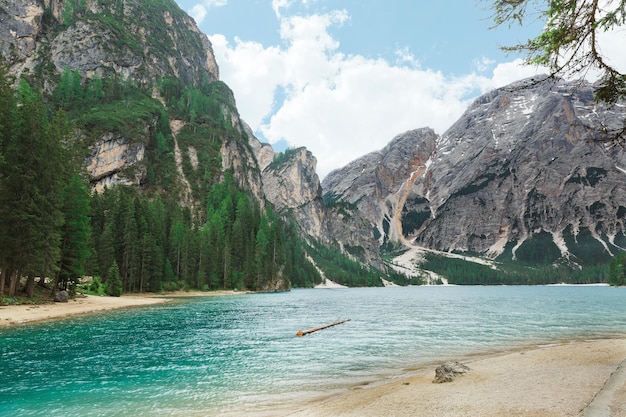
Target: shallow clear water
234 354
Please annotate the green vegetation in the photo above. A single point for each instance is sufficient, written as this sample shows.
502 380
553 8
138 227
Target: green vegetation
570 26
413 220
617 271
586 249
281 157
343 270
38 220
158 245
136 239
114 281
462 272
539 249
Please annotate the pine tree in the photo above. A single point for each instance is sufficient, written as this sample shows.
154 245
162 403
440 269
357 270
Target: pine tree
114 281
75 234
617 271
30 190
8 109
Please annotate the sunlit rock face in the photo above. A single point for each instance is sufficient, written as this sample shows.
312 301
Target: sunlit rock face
137 42
292 186
380 183
112 160
526 166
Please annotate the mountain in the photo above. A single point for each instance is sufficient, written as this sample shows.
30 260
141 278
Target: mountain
184 195
133 42
526 175
292 186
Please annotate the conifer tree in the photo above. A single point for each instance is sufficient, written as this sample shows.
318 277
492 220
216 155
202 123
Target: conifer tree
30 190
114 281
7 126
75 233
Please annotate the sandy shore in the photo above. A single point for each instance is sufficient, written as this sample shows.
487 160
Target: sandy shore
30 313
584 378
580 378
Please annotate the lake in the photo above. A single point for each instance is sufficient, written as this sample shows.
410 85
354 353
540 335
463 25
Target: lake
233 355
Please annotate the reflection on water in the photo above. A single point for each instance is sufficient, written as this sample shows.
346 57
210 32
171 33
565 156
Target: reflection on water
210 356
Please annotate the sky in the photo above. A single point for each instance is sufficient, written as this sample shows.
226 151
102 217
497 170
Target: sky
344 77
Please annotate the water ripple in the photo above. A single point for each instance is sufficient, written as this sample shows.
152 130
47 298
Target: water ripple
210 356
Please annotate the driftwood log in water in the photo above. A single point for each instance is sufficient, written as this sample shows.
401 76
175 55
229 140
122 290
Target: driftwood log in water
314 329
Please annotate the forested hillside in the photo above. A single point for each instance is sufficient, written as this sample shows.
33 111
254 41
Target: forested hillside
124 164
53 226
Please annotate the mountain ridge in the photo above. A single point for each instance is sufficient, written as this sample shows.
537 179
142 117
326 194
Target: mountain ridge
523 167
520 177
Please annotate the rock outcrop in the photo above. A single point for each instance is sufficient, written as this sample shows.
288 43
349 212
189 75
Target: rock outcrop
449 371
112 155
292 186
131 39
379 184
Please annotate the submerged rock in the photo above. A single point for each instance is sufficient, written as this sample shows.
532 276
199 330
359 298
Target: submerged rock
448 371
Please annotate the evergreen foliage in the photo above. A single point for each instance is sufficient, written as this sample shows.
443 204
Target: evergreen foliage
617 271
75 233
538 249
36 167
114 282
281 157
569 44
343 270
159 246
461 272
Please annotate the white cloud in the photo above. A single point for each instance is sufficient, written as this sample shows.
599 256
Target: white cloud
199 10
278 5
405 57
253 72
341 106
483 64
508 72
612 47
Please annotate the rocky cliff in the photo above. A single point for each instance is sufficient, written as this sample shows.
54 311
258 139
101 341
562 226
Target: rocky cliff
292 186
379 184
130 41
142 84
524 174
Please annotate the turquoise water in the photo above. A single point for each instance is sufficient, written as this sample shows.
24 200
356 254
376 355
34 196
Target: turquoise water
233 355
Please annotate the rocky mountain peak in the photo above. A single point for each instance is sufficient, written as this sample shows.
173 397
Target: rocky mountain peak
142 41
379 183
524 168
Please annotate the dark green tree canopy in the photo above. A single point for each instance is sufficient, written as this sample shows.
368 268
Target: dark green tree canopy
569 44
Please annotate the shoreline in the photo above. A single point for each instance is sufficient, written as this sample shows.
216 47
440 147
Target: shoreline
583 377
25 314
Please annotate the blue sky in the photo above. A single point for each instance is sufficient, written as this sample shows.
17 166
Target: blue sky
343 77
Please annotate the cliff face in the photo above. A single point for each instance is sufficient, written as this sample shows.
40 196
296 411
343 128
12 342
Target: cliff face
526 162
130 41
521 168
135 40
292 186
379 184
